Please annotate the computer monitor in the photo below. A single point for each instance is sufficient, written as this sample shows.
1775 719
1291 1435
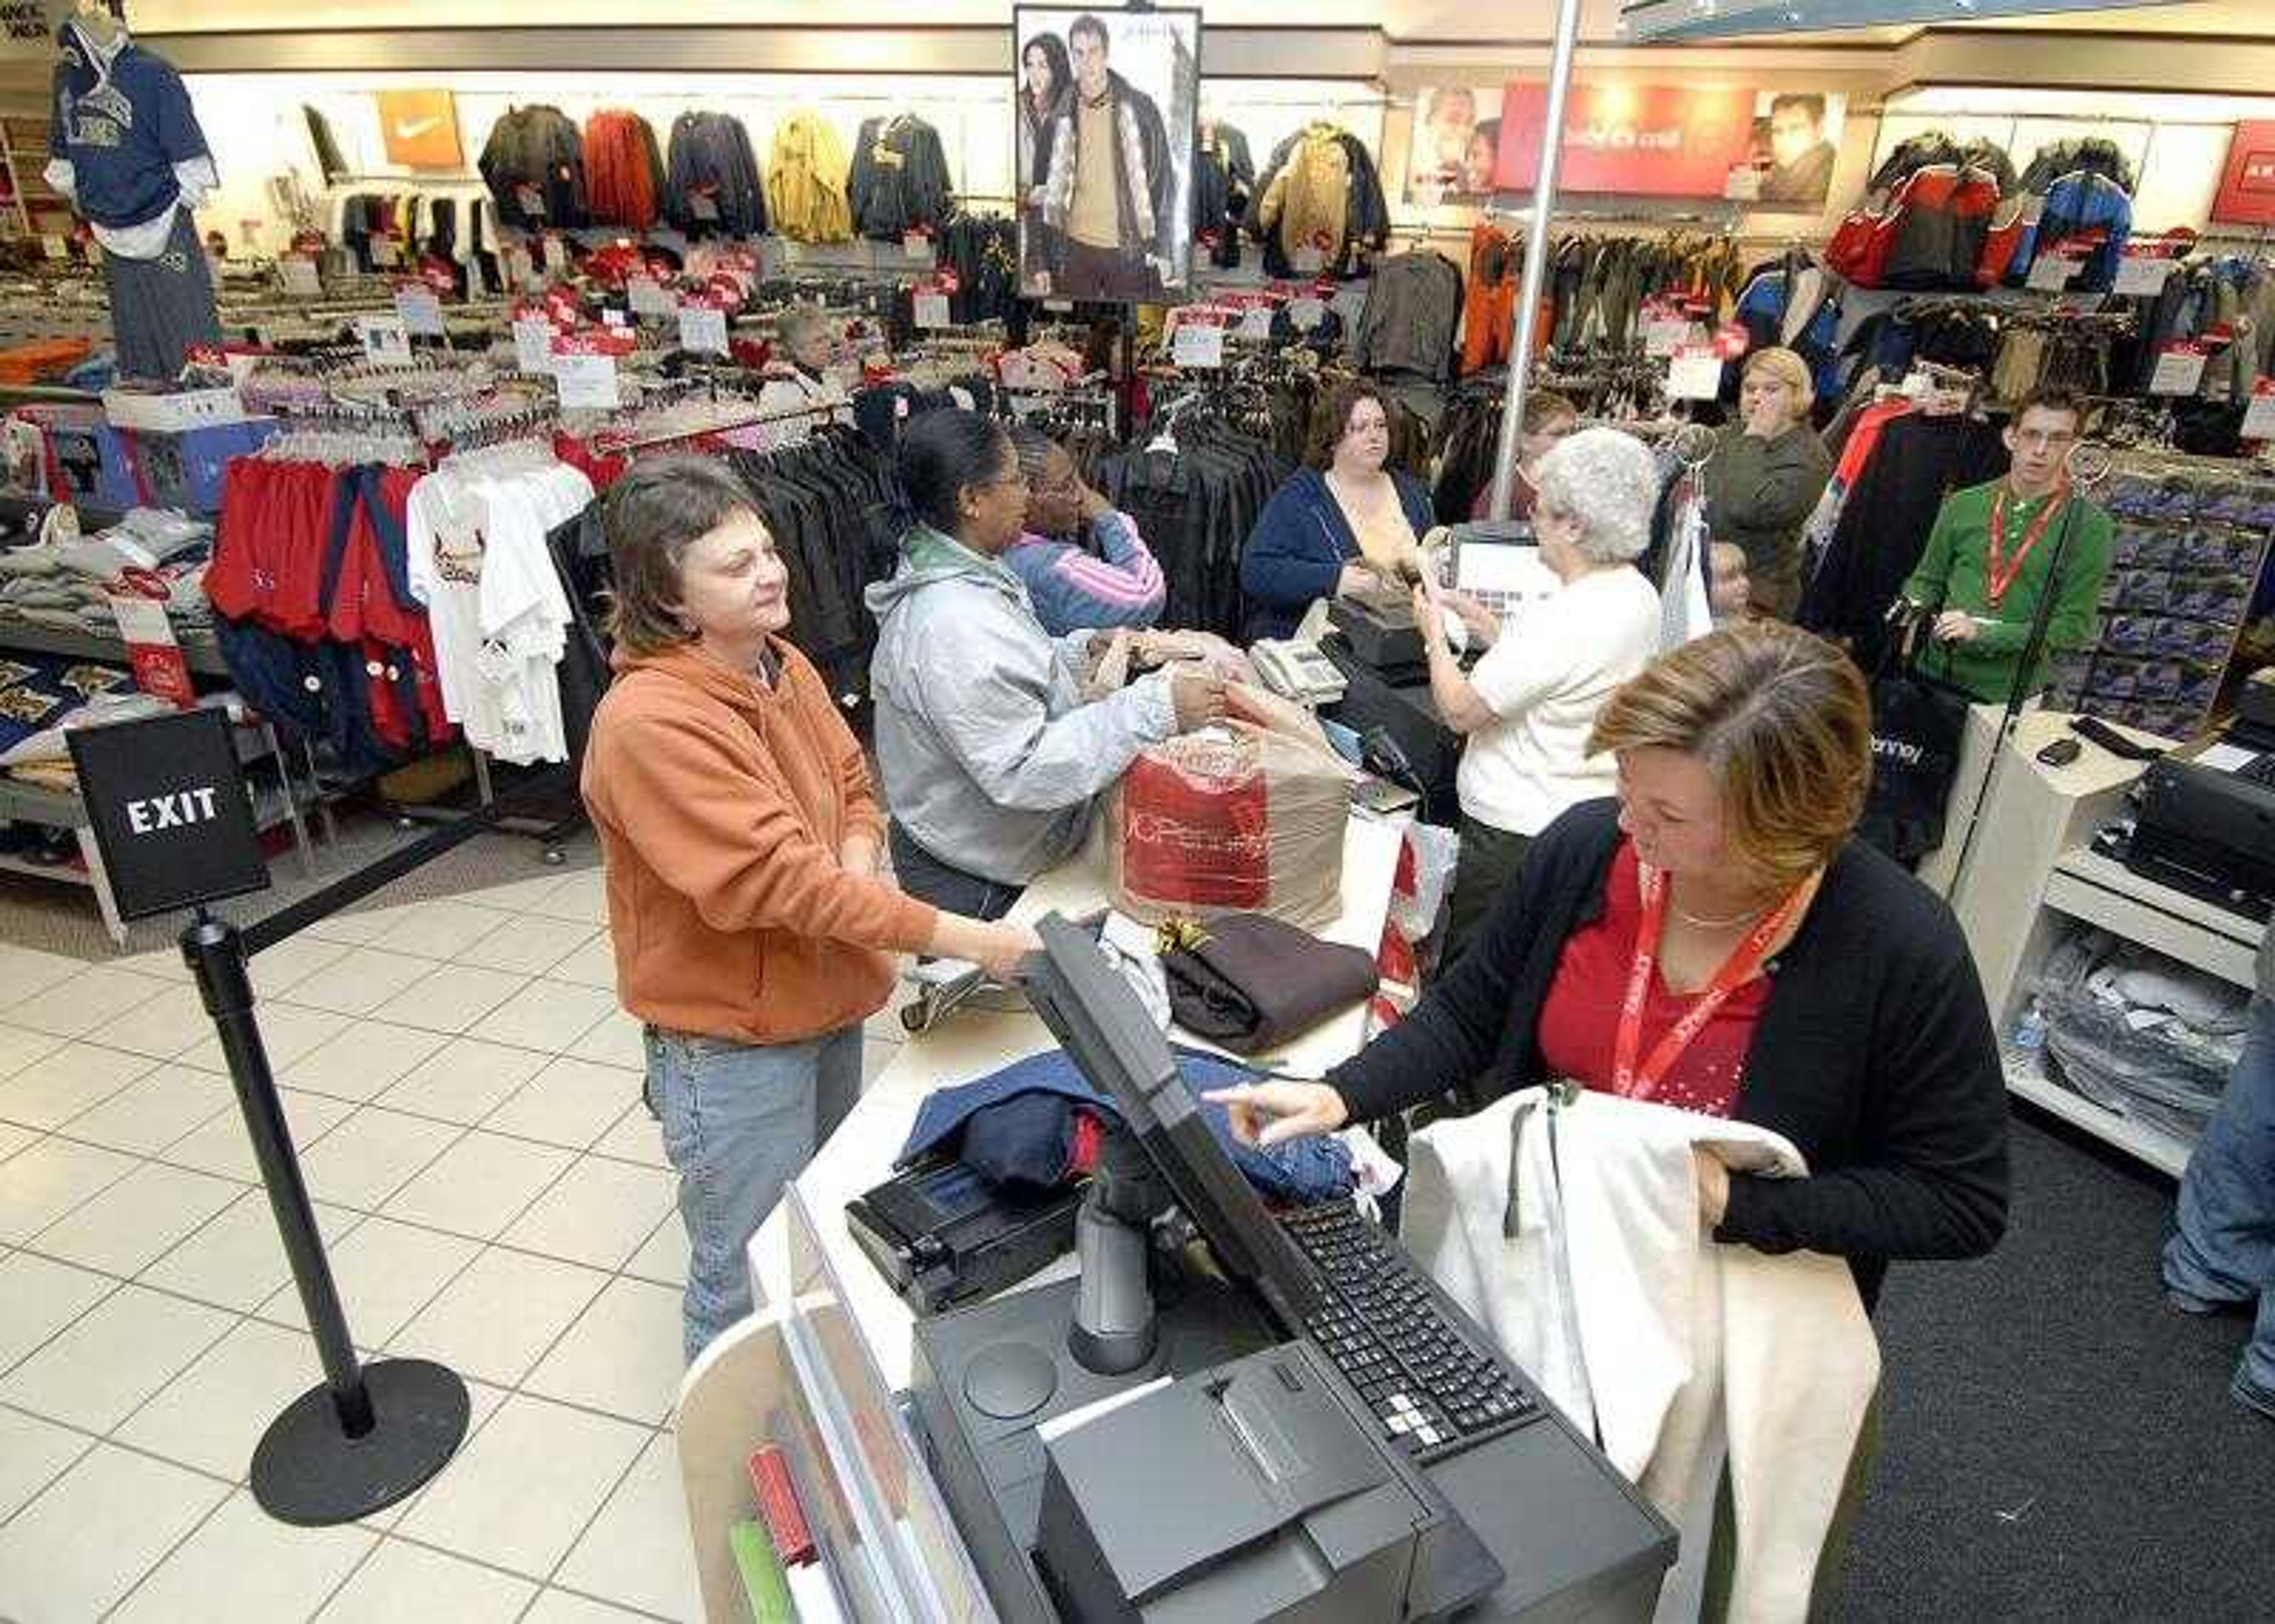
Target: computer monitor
1099 1022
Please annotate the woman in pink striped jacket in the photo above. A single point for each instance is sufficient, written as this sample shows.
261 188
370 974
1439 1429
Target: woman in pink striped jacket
1118 583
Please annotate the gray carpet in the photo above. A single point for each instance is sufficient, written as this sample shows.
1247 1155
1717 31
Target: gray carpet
2059 1445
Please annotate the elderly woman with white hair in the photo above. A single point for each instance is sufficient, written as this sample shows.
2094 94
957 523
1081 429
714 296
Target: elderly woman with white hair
1528 705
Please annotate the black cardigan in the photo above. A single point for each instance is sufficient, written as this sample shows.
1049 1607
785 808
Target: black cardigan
1874 1055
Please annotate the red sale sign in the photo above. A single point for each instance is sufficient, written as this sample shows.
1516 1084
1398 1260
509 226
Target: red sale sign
2247 189
1651 140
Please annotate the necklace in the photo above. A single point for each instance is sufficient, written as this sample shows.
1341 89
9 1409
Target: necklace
1746 918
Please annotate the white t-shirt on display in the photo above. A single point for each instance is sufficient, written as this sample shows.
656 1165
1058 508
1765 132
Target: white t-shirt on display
1545 676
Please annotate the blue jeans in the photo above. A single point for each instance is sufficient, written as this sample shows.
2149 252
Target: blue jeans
739 1121
944 885
2224 1252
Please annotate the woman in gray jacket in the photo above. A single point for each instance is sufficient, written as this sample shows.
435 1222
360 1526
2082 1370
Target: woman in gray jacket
990 759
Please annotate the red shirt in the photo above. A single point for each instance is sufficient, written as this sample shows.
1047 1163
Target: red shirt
1580 1019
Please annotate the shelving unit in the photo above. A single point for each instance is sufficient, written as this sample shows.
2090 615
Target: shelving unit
202 652
34 208
2034 879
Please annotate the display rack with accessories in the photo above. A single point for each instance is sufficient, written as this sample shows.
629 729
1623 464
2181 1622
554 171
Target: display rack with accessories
2192 540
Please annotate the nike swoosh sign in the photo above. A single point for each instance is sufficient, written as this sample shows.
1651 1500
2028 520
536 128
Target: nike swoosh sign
416 128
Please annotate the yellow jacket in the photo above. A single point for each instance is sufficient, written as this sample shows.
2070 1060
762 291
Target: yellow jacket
806 169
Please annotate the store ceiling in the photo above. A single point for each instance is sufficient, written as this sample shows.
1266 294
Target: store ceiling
1449 21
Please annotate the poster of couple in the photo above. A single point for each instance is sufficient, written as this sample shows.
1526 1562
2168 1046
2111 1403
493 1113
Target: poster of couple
1109 103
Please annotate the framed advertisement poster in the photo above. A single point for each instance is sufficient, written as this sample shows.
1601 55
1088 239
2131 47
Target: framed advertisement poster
1456 139
1107 108
1642 140
2247 187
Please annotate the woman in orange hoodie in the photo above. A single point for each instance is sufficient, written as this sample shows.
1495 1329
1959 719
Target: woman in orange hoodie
742 837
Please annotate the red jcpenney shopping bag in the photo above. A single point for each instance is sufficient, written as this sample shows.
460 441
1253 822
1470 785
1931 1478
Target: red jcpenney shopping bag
1247 817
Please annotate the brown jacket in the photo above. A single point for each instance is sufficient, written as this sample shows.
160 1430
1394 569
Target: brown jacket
721 805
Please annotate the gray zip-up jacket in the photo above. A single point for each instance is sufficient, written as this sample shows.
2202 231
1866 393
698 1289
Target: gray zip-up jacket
989 757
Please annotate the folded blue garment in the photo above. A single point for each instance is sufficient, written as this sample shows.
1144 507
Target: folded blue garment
1026 1146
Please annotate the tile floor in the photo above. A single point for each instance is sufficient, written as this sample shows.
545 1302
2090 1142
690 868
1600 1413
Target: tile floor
465 1097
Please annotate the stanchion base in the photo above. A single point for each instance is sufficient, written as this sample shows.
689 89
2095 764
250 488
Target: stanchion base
309 1472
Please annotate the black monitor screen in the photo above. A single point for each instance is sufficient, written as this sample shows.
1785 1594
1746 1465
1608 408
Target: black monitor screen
1099 1020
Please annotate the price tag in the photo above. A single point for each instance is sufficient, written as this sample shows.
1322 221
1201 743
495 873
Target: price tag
917 246
1308 260
386 341
649 298
157 660
1695 373
2180 370
54 245
420 310
298 273
1303 315
1663 336
533 345
384 253
2259 416
1256 324
932 310
2050 273
2142 274
1059 306
702 327
531 200
700 205
613 317
588 383
1197 344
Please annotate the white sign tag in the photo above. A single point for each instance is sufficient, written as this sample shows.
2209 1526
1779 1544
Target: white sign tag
588 383
386 340
2259 416
1664 335
1695 375
2050 273
932 310
1197 344
2142 274
53 245
533 345
384 253
700 205
2179 372
917 246
420 310
298 273
649 298
702 327
1256 323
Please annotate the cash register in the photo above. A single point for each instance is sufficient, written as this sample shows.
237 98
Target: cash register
1281 1419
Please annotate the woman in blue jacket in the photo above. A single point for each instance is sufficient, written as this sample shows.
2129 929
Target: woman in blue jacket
1343 524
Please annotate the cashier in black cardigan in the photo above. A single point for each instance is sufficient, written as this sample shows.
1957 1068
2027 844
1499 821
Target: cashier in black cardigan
1789 976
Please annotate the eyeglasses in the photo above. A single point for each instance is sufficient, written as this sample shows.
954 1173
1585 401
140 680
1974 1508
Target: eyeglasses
2044 439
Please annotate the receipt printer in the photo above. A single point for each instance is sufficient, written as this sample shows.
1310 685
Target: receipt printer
1251 1490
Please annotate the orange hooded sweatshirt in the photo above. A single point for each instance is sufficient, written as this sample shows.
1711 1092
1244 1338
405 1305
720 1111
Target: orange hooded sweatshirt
720 806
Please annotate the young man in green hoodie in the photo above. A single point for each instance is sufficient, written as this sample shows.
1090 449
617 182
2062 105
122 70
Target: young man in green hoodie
1990 560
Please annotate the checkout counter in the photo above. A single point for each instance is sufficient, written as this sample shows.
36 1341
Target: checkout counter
820 1368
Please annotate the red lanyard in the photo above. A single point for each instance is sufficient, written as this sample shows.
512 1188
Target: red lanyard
2001 570
1737 970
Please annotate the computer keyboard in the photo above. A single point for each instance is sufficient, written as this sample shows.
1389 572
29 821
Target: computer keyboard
1434 1390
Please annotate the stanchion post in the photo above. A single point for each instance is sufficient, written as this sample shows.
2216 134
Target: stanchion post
367 1437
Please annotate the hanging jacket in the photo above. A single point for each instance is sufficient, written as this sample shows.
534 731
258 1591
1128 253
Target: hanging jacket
623 170
1319 192
1224 181
533 162
1927 221
899 179
1413 302
806 173
2014 230
712 184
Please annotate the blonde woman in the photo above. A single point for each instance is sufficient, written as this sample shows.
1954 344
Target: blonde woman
1769 469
